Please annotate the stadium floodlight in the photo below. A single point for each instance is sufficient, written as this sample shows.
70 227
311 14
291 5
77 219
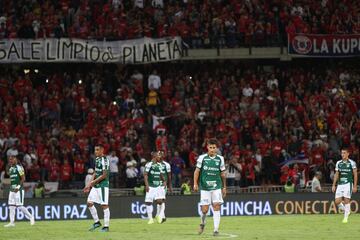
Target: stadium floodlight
36 70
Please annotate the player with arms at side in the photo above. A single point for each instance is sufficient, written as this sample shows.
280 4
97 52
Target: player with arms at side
99 192
346 177
154 184
166 172
210 175
16 194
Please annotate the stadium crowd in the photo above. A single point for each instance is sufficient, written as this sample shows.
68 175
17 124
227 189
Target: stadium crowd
273 123
206 23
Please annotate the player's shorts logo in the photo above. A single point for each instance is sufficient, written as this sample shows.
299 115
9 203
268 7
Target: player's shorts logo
301 44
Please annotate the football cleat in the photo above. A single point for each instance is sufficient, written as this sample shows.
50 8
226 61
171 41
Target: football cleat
95 226
104 229
201 228
10 225
158 219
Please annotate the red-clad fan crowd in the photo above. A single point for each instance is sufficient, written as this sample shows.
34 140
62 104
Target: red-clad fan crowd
206 23
274 123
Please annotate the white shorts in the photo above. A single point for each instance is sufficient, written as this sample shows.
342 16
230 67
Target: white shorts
99 195
211 197
16 198
344 190
154 193
162 192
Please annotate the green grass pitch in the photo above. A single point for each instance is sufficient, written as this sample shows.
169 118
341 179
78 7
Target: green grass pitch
290 227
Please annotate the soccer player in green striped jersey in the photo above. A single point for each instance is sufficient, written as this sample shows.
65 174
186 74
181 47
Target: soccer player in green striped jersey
210 175
99 192
16 194
154 184
166 172
346 178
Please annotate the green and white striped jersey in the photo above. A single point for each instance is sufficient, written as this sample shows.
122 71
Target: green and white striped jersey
154 170
345 169
15 173
101 164
210 171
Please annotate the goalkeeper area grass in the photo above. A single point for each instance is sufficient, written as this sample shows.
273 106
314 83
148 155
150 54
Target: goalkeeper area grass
259 227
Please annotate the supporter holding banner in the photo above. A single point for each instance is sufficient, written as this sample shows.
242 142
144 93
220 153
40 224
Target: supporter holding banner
344 45
137 51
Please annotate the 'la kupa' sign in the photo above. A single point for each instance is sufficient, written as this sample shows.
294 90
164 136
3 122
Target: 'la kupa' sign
316 45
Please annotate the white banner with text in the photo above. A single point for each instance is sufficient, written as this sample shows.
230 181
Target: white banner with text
136 51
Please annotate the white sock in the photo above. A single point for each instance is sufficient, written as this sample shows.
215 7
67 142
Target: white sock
94 213
149 209
216 217
12 213
162 210
158 209
341 206
106 217
26 212
347 210
203 217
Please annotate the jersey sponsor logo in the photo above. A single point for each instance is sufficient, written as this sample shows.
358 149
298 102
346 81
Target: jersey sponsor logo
345 165
211 184
206 168
211 174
